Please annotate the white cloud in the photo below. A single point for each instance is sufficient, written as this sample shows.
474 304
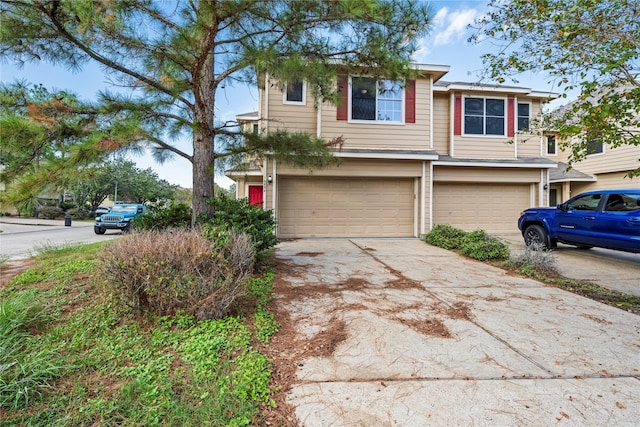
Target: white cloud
439 18
451 27
424 49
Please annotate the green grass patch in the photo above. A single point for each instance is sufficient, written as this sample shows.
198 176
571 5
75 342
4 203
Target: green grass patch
81 357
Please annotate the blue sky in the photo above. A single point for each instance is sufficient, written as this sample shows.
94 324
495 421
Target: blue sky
445 45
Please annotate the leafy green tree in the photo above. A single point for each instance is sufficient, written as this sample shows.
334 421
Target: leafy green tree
590 46
170 59
93 185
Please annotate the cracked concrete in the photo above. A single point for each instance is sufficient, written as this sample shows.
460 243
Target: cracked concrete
428 338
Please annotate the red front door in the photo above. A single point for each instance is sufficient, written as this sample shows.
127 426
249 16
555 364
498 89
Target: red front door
255 195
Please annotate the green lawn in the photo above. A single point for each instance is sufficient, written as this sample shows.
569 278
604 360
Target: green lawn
72 354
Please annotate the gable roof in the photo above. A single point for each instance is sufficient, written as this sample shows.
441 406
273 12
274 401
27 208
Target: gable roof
561 174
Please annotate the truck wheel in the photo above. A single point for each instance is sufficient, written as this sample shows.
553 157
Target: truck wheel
536 234
98 230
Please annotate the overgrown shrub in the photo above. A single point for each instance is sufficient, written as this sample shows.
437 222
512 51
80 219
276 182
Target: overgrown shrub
77 213
445 236
164 216
50 212
482 246
535 261
163 272
238 215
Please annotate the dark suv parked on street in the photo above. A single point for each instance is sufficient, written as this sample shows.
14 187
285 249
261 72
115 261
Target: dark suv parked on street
607 219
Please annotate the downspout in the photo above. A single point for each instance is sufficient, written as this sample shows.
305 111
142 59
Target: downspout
274 184
452 125
423 184
416 217
431 111
541 188
548 188
266 103
515 125
319 119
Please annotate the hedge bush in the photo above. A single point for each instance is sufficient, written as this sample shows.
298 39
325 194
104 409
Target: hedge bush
50 212
163 216
445 236
482 246
163 272
237 215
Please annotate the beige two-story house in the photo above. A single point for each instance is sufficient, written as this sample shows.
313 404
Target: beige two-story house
416 153
604 167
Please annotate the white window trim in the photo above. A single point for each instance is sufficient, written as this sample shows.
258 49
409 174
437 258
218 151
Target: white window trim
518 116
484 135
604 149
376 121
304 95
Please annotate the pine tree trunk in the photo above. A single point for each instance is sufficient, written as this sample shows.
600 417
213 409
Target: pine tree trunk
203 141
202 173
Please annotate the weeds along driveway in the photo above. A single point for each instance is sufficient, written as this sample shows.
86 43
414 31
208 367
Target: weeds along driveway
397 332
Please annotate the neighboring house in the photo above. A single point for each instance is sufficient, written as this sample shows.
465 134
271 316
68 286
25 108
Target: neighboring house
415 154
603 168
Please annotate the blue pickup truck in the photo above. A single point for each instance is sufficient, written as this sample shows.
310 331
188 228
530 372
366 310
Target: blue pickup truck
119 218
606 219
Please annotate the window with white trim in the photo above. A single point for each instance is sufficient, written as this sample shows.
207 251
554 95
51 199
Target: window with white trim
551 145
376 100
295 92
595 146
484 116
524 116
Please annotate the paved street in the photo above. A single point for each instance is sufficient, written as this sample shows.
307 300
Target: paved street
20 237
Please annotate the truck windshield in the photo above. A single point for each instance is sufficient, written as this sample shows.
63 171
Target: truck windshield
123 209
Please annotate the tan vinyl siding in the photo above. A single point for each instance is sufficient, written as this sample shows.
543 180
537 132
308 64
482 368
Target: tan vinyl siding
529 145
291 117
478 174
483 147
612 160
362 168
606 181
377 135
441 123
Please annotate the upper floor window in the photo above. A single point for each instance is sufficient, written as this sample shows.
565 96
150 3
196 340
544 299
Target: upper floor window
524 115
595 146
484 116
551 145
377 100
295 92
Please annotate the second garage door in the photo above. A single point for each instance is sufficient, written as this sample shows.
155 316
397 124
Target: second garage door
336 207
491 207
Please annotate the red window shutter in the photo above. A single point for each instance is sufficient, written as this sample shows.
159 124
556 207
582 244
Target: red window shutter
343 91
510 116
457 116
410 102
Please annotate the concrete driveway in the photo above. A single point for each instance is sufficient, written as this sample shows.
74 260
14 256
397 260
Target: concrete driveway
397 332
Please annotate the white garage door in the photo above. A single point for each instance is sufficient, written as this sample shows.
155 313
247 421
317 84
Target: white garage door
491 207
336 207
